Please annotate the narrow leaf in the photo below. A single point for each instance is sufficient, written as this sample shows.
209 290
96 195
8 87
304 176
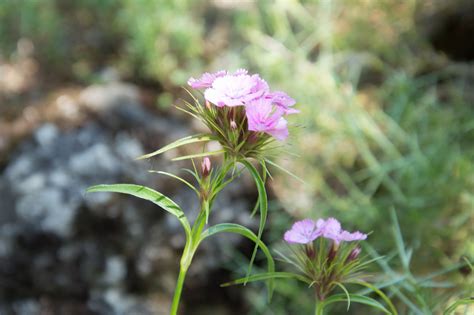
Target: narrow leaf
148 194
263 206
458 303
176 144
281 168
355 298
268 276
379 293
177 178
192 156
239 229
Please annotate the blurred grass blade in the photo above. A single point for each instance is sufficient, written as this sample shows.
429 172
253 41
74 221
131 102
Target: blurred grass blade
268 276
148 194
239 229
197 155
355 298
176 144
399 241
455 305
263 206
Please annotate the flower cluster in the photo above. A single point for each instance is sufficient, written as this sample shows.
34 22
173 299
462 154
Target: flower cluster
259 109
325 265
306 231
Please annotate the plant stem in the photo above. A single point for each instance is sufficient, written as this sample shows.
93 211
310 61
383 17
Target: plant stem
319 308
178 290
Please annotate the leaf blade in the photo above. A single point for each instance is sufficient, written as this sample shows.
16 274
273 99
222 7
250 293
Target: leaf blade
263 205
239 229
149 194
356 298
176 144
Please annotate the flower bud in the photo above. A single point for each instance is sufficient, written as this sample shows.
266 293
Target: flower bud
309 249
205 167
332 252
354 254
233 125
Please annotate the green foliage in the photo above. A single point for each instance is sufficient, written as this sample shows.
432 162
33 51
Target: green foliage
163 38
148 194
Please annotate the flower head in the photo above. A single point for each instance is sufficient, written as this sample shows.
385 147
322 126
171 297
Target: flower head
206 80
263 116
331 229
283 101
302 232
235 90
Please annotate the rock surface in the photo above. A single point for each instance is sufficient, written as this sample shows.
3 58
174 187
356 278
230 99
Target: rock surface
64 252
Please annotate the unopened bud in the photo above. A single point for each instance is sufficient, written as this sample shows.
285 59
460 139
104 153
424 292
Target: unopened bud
208 105
205 167
310 251
332 252
354 254
233 124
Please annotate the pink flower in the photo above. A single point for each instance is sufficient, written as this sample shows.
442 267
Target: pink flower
206 80
264 117
307 230
235 90
283 101
331 229
302 232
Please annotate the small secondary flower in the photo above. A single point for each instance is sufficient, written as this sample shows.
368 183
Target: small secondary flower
302 232
329 229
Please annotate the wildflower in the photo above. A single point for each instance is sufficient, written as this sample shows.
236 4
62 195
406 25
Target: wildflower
206 80
283 101
331 229
235 90
302 232
263 116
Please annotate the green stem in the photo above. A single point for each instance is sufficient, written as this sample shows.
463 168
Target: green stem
319 308
177 291
192 244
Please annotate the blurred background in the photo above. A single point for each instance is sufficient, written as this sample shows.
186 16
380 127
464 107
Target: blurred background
386 90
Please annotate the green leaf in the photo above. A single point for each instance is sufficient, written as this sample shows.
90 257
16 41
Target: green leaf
268 276
458 303
239 229
192 156
379 293
148 194
263 206
177 178
355 298
176 144
281 168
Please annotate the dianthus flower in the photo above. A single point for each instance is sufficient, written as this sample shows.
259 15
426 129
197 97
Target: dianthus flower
302 232
283 101
308 230
264 117
235 90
